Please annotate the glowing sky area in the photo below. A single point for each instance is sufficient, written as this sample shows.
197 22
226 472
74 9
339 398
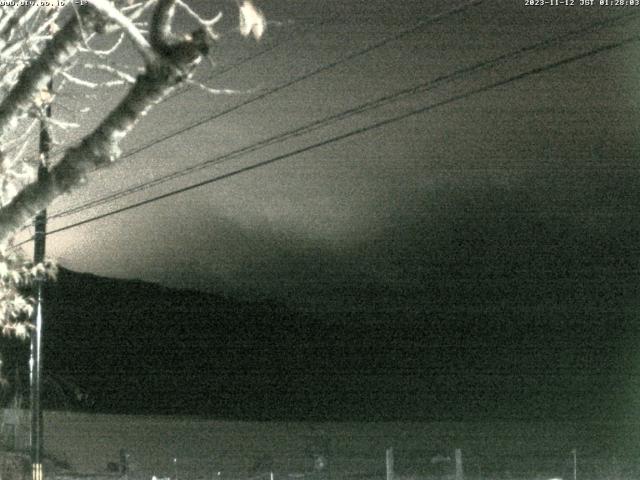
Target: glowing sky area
515 199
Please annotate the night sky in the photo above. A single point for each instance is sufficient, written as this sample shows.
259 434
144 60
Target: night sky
488 244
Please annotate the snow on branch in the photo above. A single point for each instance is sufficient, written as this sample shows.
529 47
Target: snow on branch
105 52
11 22
115 72
169 60
218 91
252 21
34 78
47 27
111 12
206 24
171 64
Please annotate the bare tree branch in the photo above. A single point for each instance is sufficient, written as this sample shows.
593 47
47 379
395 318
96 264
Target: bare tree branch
35 77
29 59
172 65
10 22
107 9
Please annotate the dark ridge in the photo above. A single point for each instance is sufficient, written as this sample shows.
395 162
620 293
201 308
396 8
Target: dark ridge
121 346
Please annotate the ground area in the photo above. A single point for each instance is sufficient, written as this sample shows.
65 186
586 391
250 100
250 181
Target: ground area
191 448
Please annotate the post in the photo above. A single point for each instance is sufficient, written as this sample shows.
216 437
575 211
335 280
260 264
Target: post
389 463
35 362
575 463
124 462
459 469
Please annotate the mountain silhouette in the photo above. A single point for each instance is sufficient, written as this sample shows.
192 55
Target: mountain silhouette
122 346
127 346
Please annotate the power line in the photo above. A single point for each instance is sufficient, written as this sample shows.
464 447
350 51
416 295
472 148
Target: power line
376 103
231 67
212 75
432 19
358 131
429 20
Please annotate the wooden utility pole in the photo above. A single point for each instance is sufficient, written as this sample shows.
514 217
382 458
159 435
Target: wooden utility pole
35 363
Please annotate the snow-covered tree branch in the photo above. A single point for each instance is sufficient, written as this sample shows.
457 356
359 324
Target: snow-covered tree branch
38 45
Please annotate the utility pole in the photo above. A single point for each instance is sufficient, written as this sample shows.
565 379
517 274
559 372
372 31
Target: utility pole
35 362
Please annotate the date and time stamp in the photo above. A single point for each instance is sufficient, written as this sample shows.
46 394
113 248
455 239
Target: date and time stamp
527 3
43 3
582 3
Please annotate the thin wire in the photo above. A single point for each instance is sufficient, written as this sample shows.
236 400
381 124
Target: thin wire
429 20
212 75
420 88
229 68
352 133
432 19
240 62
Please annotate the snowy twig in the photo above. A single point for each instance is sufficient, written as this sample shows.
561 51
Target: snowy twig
124 76
78 81
16 104
206 24
107 52
217 91
62 124
110 11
